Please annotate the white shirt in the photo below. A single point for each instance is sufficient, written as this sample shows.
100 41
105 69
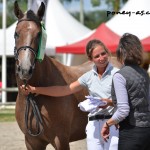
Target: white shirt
99 87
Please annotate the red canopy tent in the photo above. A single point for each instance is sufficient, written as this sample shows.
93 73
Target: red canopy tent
103 33
146 44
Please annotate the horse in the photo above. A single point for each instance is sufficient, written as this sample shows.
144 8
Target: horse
60 120
146 60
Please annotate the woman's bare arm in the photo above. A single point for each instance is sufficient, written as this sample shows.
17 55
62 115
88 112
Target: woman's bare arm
55 91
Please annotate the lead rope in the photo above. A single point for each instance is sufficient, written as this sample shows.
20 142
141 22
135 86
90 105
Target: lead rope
36 114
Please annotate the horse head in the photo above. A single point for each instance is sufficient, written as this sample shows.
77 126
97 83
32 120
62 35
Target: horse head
27 39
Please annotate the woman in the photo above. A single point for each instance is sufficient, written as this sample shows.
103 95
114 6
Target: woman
130 92
98 81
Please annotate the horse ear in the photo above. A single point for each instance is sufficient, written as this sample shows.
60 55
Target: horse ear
18 12
41 11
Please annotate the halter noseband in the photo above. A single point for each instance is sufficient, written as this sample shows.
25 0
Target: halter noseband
16 51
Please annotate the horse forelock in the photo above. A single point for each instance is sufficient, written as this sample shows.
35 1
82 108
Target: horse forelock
30 15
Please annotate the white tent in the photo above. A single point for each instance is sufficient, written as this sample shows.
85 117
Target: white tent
61 27
10 42
136 23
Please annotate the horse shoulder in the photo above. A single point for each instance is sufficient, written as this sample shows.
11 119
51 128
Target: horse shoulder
72 73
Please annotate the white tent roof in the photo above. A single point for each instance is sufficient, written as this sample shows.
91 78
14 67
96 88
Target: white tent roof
61 27
10 42
136 23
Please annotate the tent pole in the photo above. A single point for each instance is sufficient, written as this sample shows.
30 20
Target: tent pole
29 4
81 12
65 58
4 54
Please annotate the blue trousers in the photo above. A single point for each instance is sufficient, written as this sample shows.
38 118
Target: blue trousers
134 138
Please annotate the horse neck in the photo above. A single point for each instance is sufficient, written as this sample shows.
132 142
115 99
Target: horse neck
47 73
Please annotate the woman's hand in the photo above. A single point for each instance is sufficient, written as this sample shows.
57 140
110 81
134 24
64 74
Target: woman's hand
27 89
108 101
105 132
117 126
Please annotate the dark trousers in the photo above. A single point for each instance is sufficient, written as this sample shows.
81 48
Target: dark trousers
134 138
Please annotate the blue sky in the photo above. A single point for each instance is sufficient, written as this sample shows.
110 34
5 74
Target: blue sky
75 6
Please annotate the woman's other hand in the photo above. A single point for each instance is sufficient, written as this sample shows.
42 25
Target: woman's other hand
105 132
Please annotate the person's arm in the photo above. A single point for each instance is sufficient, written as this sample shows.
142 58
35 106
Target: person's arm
105 129
122 105
55 91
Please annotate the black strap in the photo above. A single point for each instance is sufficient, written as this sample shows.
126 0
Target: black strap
36 114
98 117
16 51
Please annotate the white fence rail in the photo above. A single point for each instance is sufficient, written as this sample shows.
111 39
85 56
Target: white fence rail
11 89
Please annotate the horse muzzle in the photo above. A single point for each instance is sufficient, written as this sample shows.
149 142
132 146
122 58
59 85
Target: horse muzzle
24 73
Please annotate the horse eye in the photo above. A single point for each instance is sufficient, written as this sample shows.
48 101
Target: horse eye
16 35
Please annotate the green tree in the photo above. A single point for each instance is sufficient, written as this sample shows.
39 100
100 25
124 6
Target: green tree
10 13
114 4
94 19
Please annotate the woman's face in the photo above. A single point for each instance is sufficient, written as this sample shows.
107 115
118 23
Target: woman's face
100 57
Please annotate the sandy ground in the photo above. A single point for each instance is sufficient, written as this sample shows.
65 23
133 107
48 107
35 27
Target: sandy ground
11 138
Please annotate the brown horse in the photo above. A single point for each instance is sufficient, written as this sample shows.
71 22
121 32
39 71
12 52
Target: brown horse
146 60
59 117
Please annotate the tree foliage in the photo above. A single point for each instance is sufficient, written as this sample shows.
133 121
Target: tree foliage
93 19
10 13
114 4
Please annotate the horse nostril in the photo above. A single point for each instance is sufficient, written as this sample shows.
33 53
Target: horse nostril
18 68
30 70
23 71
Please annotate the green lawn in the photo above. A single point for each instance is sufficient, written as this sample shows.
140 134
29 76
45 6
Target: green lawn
7 115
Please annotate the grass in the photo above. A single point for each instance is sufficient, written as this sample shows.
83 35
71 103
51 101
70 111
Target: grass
7 115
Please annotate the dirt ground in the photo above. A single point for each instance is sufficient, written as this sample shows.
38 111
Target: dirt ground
11 138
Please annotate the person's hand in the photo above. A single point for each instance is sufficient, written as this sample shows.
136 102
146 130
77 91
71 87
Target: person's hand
108 103
105 132
26 89
117 126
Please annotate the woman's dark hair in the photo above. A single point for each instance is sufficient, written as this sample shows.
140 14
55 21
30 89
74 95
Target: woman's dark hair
92 44
130 50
